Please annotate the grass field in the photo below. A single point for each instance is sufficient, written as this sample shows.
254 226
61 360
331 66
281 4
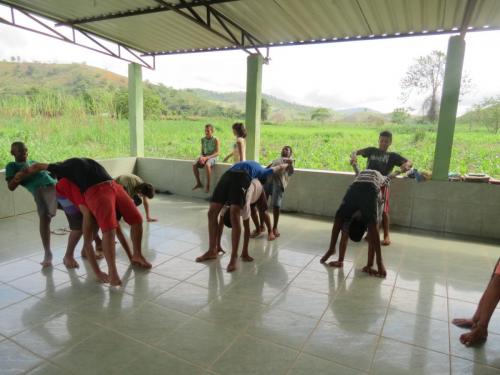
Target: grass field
316 146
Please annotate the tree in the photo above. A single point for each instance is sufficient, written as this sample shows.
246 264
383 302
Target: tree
426 76
400 115
491 114
321 114
265 109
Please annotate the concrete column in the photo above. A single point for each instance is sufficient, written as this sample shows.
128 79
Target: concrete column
135 110
253 104
448 110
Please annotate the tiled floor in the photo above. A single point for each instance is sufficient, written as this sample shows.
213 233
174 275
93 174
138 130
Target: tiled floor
283 314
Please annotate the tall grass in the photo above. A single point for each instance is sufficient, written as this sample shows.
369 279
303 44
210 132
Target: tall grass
56 129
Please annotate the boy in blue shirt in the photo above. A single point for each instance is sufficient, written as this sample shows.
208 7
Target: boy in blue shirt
42 186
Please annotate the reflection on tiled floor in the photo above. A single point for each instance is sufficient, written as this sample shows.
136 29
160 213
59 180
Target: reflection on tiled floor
283 314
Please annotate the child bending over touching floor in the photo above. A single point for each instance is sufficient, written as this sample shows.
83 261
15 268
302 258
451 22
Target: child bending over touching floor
359 206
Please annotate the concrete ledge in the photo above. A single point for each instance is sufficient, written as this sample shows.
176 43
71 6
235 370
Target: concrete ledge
447 207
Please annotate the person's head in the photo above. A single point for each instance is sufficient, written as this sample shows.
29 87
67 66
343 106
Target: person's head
19 151
209 130
286 152
357 229
227 219
384 140
239 130
147 190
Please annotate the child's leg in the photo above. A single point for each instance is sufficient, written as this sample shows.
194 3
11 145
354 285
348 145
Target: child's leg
337 225
267 220
108 242
208 170
374 248
276 217
235 212
213 214
136 237
486 308
44 228
255 219
344 239
123 241
69 258
385 227
220 230
196 173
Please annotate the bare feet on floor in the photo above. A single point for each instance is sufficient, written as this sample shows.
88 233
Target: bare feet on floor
207 256
476 336
47 261
231 267
336 264
197 186
115 281
255 233
207 189
102 277
327 255
276 232
463 323
139 260
70 262
246 258
271 236
386 241
373 272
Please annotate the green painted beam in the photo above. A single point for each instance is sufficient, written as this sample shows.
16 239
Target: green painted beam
448 110
253 104
135 110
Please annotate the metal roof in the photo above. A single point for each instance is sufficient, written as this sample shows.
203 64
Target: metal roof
155 27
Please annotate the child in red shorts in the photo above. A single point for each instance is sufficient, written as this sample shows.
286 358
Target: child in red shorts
103 196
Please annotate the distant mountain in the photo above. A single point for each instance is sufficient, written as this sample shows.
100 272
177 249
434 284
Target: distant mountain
19 78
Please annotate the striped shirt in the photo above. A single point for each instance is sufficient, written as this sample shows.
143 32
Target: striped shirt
370 176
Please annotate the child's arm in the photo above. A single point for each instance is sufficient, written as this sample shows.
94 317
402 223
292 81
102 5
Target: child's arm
146 208
227 157
355 167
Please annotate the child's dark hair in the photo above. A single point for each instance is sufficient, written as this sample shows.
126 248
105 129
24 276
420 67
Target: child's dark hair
240 129
147 190
290 148
209 126
386 133
18 144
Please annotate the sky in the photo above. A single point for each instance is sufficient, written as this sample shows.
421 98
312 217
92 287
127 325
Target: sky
337 75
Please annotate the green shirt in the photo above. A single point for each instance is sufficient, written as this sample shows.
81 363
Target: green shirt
208 145
33 182
130 183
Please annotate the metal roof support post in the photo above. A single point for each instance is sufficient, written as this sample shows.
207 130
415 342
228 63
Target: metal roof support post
253 104
135 110
448 110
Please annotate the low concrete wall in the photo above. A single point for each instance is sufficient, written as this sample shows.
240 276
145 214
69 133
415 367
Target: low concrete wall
21 201
452 207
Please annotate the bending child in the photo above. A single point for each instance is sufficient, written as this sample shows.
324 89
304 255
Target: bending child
232 190
478 324
41 185
359 207
383 161
210 146
138 190
276 186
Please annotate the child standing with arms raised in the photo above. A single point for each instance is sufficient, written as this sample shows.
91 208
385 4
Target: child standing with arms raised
209 151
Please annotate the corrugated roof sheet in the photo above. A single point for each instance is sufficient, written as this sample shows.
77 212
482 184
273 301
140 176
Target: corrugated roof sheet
266 22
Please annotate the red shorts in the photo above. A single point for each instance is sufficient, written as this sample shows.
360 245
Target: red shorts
105 199
386 193
69 190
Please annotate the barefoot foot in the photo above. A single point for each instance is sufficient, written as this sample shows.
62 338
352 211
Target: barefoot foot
336 264
327 255
102 277
246 258
463 323
271 236
231 267
475 337
207 256
276 232
47 261
139 260
197 186
115 281
386 241
70 262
